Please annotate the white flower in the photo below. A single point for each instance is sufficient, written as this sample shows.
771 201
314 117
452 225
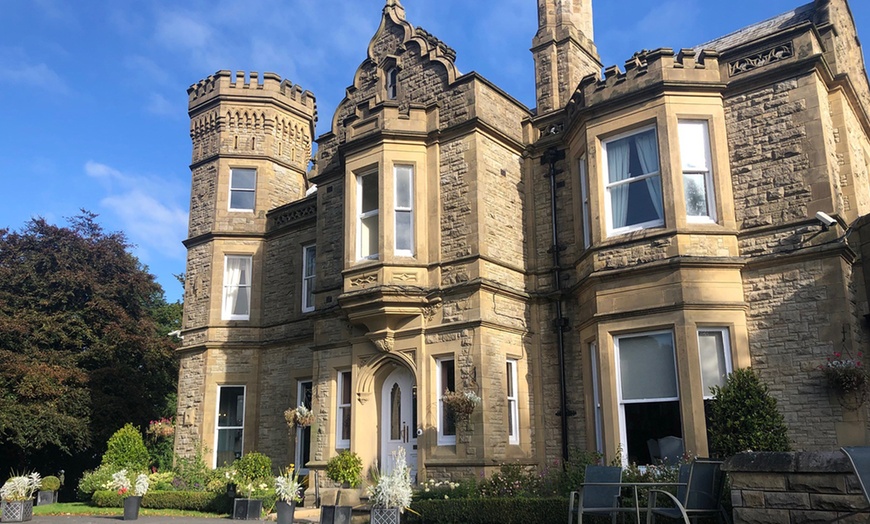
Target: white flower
141 485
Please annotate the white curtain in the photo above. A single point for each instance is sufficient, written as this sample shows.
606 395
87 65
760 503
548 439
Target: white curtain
647 152
617 169
236 285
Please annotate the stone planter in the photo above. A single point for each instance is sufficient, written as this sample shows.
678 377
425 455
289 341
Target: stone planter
46 497
247 509
335 514
131 507
16 511
385 516
286 511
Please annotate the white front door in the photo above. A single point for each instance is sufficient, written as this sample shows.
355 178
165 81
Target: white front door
398 420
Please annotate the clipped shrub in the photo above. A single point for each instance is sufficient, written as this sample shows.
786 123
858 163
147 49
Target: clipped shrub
512 480
345 468
180 500
93 481
491 510
50 483
743 416
126 450
253 466
447 489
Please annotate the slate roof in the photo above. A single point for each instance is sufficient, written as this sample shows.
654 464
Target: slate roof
791 18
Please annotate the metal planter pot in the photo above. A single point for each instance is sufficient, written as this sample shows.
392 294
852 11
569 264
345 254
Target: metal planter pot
385 516
16 511
247 509
131 507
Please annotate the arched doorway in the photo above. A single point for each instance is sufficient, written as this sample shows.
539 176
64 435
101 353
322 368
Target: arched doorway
398 417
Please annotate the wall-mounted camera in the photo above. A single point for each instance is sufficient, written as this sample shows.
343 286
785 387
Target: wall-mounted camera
826 219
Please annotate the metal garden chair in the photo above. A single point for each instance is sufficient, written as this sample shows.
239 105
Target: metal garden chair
701 495
860 459
598 495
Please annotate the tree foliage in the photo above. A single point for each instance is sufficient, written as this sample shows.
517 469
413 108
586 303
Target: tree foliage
745 417
126 450
80 351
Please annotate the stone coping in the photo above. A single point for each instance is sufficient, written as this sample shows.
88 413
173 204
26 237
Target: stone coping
789 462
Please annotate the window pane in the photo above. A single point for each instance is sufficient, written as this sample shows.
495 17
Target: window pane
369 236
696 194
345 387
647 367
242 199
634 202
369 193
403 186
714 367
229 446
404 232
650 421
396 413
509 375
310 259
244 179
345 423
231 406
693 145
241 305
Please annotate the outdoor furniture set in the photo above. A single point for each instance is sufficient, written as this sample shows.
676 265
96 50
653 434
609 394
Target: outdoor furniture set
698 494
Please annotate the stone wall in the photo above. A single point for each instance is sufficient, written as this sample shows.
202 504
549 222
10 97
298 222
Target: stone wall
787 488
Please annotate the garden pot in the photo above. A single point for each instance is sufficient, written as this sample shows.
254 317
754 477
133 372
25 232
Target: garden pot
46 497
286 511
131 507
385 516
335 514
247 509
16 511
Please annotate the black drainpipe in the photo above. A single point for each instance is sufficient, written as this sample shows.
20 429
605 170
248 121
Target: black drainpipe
560 323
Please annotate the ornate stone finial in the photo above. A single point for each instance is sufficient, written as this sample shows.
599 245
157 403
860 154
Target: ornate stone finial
396 6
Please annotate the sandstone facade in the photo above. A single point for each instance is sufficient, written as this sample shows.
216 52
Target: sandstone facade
465 242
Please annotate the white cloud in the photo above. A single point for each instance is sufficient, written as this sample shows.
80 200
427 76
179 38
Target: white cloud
160 106
21 70
176 29
151 210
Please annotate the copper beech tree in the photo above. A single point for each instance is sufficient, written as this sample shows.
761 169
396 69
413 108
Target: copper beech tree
81 353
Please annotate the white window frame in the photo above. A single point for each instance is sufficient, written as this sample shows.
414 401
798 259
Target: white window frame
343 380
608 208
512 401
726 350
308 278
584 204
596 397
361 216
623 436
443 440
234 189
710 217
229 297
403 209
218 427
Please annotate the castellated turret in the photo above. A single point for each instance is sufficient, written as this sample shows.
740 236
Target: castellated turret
252 141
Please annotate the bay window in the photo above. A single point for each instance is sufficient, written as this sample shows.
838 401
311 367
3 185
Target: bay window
445 380
633 182
368 218
230 426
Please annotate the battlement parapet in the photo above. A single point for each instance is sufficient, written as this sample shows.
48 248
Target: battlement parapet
251 85
646 69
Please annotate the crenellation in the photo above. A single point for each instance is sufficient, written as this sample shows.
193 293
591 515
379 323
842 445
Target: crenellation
226 83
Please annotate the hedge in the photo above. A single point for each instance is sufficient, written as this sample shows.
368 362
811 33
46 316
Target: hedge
183 500
488 511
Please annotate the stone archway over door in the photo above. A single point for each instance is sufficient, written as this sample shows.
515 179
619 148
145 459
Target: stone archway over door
398 419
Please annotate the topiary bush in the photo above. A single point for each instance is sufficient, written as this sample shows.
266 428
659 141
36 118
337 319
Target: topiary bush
743 417
50 483
253 466
126 450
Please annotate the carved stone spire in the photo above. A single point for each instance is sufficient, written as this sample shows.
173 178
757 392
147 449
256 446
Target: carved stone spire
564 51
395 6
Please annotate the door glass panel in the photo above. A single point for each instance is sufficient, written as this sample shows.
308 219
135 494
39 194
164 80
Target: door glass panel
396 413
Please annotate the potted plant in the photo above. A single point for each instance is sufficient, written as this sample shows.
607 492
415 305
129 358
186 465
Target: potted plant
300 416
47 493
17 497
461 404
391 493
345 469
132 494
287 488
252 475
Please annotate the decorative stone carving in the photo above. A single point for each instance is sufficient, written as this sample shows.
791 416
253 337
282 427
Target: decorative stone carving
384 340
767 57
405 277
364 280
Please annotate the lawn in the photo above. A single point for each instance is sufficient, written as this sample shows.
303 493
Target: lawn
81 508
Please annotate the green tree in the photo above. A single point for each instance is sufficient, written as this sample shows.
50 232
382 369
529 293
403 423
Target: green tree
80 351
743 416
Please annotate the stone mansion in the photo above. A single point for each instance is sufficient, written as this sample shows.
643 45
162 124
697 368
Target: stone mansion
588 268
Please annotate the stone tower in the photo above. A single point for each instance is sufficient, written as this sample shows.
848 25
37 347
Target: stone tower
564 51
252 142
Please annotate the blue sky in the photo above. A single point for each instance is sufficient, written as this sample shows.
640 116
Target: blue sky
94 102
